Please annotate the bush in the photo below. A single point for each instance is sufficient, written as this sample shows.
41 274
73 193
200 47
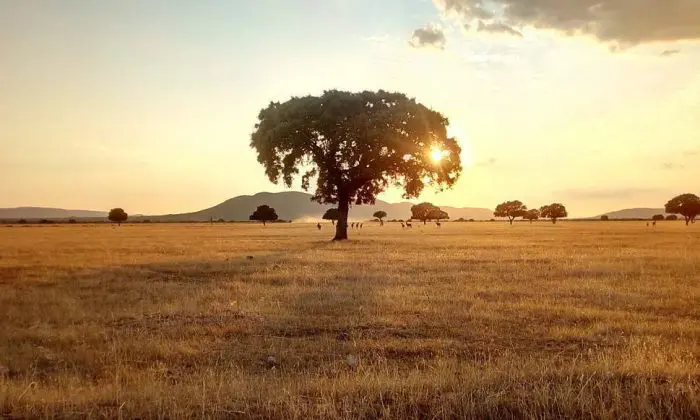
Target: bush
671 217
605 218
658 217
72 221
22 222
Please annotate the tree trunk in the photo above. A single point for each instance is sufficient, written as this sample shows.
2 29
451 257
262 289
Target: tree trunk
264 223
332 222
554 221
341 228
510 219
425 221
687 220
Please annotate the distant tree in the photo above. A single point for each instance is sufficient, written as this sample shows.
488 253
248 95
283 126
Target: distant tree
146 221
687 205
671 217
117 216
264 214
554 212
72 221
22 221
355 146
380 215
605 218
332 215
658 217
472 220
511 210
221 221
532 214
421 211
45 222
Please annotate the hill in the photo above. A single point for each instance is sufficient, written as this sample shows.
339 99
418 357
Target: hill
298 206
48 213
636 213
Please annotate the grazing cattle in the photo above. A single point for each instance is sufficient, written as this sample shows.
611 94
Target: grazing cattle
409 225
361 224
403 226
653 224
318 226
438 224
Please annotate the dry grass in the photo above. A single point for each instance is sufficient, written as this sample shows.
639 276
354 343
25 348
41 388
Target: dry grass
473 320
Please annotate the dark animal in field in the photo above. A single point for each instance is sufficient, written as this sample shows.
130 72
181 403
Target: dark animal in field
318 226
438 224
409 225
403 226
361 224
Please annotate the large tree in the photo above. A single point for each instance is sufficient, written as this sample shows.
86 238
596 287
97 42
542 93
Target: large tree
332 215
554 212
532 214
422 211
658 217
380 215
511 210
437 214
264 214
356 145
117 216
687 205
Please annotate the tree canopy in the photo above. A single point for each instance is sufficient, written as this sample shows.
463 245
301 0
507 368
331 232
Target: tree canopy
264 214
354 146
437 214
532 214
117 215
422 211
511 210
380 215
658 217
604 218
554 212
331 214
687 205
671 217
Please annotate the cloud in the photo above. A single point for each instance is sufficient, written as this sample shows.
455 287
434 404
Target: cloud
428 36
489 162
668 53
610 193
669 166
498 28
626 22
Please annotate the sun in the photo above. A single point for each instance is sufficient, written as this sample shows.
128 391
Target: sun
437 154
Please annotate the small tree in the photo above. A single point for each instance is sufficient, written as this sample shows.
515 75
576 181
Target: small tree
355 146
658 217
604 218
332 215
511 210
264 214
687 205
671 217
72 221
117 216
421 211
532 214
438 214
380 215
554 212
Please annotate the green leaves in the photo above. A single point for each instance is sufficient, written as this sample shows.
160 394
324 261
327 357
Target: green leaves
357 143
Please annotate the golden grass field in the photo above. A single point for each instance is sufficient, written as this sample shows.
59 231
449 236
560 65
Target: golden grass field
474 320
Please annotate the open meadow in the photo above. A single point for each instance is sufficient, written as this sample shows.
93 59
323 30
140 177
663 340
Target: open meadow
485 320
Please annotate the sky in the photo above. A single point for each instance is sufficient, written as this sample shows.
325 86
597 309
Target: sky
149 105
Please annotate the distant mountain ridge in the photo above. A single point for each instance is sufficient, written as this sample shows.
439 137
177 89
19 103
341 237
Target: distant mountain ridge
293 205
48 213
635 213
290 205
